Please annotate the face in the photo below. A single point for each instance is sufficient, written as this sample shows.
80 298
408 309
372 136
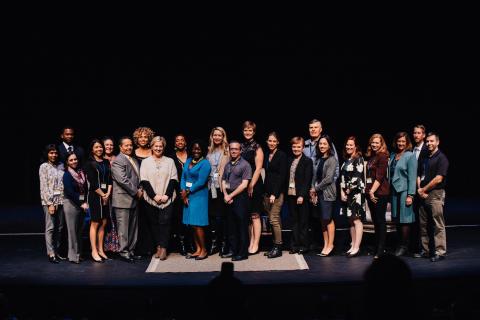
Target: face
180 143
157 149
297 149
52 156
108 146
418 135
323 145
97 150
143 140
432 143
401 144
248 133
67 136
350 148
126 147
217 137
72 161
375 144
272 143
315 130
234 150
196 151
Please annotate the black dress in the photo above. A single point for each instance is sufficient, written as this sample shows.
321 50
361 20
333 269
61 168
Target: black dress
249 151
99 175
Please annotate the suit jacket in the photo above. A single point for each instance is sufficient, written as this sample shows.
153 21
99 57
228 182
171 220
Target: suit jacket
303 175
421 157
276 174
62 153
404 177
125 182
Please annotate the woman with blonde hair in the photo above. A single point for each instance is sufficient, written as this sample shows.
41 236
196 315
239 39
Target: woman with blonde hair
218 157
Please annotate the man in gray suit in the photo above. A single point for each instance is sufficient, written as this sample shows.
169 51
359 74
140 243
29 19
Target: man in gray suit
125 195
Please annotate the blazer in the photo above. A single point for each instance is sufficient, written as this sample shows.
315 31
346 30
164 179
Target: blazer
404 177
125 182
303 175
62 153
326 187
71 190
377 169
276 174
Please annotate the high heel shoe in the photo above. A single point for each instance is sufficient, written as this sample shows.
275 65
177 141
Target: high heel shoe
352 255
104 257
98 261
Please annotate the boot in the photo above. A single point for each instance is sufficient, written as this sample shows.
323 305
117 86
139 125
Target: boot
214 248
276 252
182 248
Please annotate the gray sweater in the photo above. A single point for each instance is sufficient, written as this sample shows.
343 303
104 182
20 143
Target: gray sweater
326 187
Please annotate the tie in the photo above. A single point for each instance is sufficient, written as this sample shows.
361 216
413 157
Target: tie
417 151
70 149
133 164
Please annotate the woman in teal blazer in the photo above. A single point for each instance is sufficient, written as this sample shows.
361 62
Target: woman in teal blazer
403 176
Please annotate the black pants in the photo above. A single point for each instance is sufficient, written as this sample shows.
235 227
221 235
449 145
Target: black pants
218 217
300 215
238 221
378 211
145 238
160 223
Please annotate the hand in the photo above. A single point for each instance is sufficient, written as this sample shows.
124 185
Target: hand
157 198
299 200
84 206
343 197
422 193
227 198
272 199
164 198
250 190
184 195
372 197
139 193
409 201
185 202
312 192
51 209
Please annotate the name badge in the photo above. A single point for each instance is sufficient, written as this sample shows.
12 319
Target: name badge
189 184
57 192
103 186
291 185
422 178
81 198
227 185
369 180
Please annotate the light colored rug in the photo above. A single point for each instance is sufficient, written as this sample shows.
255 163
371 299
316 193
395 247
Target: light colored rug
258 262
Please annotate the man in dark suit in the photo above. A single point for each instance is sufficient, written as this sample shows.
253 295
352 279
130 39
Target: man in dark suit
125 195
67 146
420 151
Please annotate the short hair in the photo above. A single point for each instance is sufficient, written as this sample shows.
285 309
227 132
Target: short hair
92 143
201 144
67 127
296 140
358 152
274 134
315 121
402 134
250 124
120 141
433 133
234 141
180 135
383 145
421 127
139 131
158 139
46 150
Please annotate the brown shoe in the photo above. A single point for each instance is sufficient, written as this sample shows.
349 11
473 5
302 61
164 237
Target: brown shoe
163 254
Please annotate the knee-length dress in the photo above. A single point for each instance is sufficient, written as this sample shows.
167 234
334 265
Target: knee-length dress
196 180
352 177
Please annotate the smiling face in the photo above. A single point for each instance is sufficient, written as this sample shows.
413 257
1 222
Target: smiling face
180 143
401 144
126 147
108 143
157 149
97 150
248 133
350 148
67 136
143 140
315 129
297 149
72 161
217 137
323 146
418 135
52 156
432 143
196 151
375 144
234 150
272 143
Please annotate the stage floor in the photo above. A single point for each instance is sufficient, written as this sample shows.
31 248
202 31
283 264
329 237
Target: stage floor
27 276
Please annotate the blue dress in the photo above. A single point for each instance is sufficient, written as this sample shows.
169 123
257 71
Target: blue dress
196 214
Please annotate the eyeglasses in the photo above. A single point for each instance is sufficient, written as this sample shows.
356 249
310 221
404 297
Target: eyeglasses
234 148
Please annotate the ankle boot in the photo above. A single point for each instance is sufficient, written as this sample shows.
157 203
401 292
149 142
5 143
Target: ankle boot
276 252
214 248
182 248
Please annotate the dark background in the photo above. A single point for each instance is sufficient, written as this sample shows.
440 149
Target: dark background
190 76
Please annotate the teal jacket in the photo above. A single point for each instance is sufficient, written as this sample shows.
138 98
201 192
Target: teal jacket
405 176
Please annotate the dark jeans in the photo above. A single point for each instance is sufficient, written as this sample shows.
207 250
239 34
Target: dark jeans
378 211
299 214
238 219
160 223
218 217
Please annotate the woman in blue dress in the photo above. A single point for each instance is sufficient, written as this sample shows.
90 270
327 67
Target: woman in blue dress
194 193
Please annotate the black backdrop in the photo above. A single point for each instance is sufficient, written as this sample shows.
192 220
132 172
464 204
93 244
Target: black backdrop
189 77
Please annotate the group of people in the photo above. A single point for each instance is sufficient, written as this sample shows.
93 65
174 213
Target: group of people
138 200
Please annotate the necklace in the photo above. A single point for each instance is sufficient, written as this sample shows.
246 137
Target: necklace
197 161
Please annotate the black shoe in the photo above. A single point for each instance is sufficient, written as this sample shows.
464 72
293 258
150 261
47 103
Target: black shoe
61 258
75 261
229 254
98 261
275 252
254 253
401 251
302 251
293 251
135 256
214 248
437 257
190 256
126 258
350 255
224 248
201 258
239 258
53 259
